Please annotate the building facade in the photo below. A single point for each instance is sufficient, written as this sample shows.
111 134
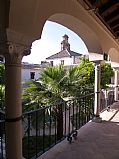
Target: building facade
21 23
30 71
66 56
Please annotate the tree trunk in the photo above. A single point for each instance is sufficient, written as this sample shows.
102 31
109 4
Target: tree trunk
59 122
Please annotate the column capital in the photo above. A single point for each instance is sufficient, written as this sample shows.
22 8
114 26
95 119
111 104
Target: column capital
14 52
14 45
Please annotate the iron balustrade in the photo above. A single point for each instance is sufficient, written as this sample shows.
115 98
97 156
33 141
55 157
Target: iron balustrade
45 127
2 139
107 99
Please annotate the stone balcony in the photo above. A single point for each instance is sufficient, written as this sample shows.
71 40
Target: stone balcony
94 140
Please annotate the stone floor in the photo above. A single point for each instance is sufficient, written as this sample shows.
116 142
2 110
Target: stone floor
94 141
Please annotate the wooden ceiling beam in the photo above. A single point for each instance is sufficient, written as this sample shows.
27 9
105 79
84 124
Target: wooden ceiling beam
115 26
116 29
113 19
110 5
112 15
108 13
115 22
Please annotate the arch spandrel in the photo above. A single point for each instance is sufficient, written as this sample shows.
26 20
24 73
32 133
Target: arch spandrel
30 16
81 29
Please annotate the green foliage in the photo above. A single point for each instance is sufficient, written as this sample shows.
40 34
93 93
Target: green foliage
72 81
106 74
54 79
2 96
56 83
2 86
34 95
87 73
86 69
2 74
32 144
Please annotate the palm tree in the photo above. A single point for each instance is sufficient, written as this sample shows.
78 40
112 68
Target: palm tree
34 96
54 79
72 84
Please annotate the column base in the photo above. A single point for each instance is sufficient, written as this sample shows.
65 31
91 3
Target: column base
97 119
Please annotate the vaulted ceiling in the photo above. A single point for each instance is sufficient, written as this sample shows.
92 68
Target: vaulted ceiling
108 12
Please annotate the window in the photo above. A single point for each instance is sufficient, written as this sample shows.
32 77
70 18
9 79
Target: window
62 62
32 74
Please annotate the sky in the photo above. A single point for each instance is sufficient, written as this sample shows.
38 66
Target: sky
50 43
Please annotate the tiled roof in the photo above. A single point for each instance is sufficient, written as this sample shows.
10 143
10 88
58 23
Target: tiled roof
63 53
72 53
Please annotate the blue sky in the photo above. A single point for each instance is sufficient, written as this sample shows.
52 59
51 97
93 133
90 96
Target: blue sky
50 43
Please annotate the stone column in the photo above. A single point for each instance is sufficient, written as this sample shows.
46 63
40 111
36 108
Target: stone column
97 93
116 85
13 100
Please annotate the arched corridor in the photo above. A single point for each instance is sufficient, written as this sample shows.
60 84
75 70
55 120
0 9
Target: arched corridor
22 23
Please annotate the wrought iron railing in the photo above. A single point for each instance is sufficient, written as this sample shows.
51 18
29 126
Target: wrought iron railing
2 136
107 99
45 127
48 125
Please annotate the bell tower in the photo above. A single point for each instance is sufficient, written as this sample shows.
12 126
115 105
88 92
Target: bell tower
64 44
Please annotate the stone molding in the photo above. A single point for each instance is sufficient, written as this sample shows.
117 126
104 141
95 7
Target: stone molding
13 45
15 53
19 38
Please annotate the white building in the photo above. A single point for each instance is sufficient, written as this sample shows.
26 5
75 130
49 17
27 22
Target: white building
65 56
30 71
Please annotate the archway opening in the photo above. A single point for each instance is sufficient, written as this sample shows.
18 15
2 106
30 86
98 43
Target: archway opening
50 43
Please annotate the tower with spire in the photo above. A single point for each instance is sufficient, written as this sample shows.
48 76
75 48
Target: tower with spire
65 44
66 56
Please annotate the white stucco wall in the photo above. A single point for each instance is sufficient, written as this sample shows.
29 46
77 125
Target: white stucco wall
25 74
67 61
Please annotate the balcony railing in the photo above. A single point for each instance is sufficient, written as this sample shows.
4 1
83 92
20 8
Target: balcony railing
45 127
107 99
2 136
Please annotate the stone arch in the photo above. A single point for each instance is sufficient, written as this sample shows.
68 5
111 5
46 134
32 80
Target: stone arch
81 29
68 13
